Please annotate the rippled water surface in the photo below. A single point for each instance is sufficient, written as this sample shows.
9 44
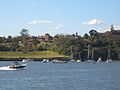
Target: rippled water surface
70 76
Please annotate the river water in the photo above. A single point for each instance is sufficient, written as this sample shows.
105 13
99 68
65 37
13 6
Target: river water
70 76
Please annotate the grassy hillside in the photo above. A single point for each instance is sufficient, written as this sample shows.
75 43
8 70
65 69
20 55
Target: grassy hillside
42 54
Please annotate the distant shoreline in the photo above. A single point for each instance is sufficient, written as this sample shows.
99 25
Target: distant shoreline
37 56
34 59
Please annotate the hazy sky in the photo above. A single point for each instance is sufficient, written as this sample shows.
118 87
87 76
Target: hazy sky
57 16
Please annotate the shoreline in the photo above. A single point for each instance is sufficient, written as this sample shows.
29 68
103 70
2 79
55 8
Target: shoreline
37 56
34 59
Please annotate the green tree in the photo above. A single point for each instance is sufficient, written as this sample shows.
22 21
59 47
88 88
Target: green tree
93 33
85 36
25 39
9 39
63 44
2 39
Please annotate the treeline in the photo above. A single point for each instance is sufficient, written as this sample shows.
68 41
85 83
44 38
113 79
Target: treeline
77 46
73 45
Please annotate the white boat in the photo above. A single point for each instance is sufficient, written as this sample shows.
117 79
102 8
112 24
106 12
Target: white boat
78 61
91 61
58 61
72 60
110 60
17 64
26 60
45 61
99 60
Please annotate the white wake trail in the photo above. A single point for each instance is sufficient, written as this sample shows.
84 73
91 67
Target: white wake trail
6 68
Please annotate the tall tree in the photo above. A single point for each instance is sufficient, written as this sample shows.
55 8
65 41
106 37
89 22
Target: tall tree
25 39
93 33
9 39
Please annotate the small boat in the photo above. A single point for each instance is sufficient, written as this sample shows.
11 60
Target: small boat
26 60
99 60
45 61
78 61
91 61
17 64
72 60
58 61
109 60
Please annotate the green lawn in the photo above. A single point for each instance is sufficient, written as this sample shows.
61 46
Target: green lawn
41 54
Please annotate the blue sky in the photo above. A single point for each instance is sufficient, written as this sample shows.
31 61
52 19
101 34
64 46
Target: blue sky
58 16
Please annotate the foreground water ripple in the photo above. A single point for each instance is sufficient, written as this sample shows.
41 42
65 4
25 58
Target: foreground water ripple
70 76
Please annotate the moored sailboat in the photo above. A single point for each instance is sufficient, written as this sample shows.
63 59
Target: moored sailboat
109 59
99 60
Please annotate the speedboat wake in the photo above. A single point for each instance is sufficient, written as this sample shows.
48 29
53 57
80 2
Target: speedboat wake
7 68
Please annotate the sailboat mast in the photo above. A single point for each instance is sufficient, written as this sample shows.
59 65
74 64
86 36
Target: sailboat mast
88 56
71 53
79 56
109 54
92 54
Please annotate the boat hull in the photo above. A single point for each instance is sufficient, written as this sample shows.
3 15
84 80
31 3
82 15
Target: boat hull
17 66
56 61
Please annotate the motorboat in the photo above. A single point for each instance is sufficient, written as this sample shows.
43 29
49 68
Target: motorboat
78 61
91 61
58 61
26 60
45 61
72 60
109 60
17 64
